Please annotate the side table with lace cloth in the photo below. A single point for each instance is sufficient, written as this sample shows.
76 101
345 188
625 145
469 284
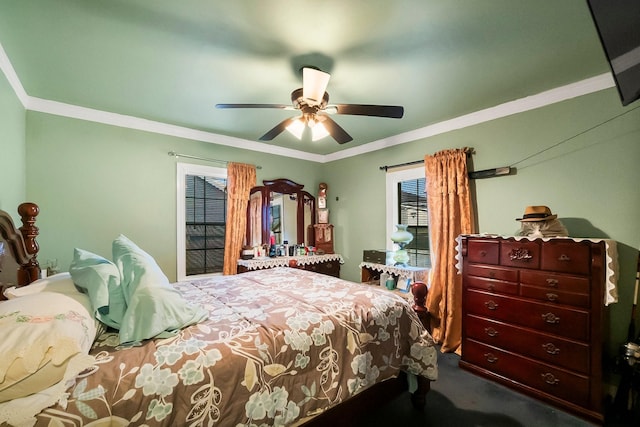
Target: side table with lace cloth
370 272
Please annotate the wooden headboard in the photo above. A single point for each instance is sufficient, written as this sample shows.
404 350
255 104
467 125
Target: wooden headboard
21 242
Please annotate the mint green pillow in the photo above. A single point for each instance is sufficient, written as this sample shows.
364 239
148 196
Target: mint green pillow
101 280
154 307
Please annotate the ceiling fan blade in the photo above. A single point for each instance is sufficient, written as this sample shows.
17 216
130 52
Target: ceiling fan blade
390 111
278 129
278 106
336 132
314 85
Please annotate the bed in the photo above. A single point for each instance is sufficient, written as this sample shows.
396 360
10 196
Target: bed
278 347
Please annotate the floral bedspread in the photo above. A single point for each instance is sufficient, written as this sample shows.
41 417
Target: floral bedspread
279 345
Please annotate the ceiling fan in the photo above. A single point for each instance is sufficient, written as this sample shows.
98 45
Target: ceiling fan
312 101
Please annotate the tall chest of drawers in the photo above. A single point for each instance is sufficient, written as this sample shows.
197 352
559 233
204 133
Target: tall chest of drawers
533 317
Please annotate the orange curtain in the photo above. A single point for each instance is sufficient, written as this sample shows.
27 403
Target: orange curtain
241 178
450 214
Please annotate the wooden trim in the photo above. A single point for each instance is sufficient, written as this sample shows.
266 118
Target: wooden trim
22 241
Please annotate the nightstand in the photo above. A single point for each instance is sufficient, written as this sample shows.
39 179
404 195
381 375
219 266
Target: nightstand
370 271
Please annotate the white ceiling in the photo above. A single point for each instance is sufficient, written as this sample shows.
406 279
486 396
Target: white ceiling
171 61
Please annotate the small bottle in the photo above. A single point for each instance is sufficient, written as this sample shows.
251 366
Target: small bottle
286 248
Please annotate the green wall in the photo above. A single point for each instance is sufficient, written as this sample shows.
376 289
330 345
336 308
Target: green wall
591 181
94 181
13 148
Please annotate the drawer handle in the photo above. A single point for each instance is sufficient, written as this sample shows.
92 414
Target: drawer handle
520 254
491 332
551 348
553 283
329 265
549 378
491 305
492 274
564 258
491 286
552 297
491 358
551 318
483 254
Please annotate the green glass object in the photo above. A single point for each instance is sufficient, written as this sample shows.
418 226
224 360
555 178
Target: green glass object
402 238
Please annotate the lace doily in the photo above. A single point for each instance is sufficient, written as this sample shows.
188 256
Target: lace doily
283 261
416 274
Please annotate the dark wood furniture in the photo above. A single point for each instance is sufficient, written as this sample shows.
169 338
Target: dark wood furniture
22 243
330 267
323 237
305 210
533 316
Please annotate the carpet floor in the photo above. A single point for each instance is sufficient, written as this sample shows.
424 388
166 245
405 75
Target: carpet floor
460 399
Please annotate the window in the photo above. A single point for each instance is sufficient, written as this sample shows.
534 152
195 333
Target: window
407 204
201 217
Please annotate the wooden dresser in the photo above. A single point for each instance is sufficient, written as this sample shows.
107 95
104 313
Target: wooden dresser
328 264
533 317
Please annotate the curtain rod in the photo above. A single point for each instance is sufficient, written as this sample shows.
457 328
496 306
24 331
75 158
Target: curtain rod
187 156
468 150
399 165
487 173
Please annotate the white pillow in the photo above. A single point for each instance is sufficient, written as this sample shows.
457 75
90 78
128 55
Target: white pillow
46 337
60 283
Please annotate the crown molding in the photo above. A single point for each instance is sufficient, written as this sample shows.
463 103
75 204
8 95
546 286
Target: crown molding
131 122
12 77
562 93
573 90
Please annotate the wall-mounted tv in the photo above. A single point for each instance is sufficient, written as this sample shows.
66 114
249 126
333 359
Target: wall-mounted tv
618 25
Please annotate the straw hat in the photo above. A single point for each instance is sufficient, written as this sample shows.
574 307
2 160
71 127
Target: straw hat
537 213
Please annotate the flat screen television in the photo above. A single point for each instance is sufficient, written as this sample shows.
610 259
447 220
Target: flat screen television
618 25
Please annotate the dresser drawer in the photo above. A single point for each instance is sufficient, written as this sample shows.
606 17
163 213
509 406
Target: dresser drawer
547 318
492 272
498 286
329 268
558 297
522 253
566 257
558 288
541 376
560 282
547 348
483 251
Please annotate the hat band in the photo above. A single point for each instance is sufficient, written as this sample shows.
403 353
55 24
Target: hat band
535 215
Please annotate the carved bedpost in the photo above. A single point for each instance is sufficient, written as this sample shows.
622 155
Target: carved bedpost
30 271
419 291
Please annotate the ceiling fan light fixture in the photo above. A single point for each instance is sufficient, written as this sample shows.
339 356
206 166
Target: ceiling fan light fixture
314 84
318 131
296 128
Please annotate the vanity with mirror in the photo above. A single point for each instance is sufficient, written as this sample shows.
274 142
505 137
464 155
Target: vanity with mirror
281 212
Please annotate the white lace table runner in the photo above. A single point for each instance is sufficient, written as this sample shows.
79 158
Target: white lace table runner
416 274
283 261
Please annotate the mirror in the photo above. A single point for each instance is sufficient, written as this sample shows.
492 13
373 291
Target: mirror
280 210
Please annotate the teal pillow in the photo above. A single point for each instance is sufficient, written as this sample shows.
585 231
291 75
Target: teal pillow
154 307
101 280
